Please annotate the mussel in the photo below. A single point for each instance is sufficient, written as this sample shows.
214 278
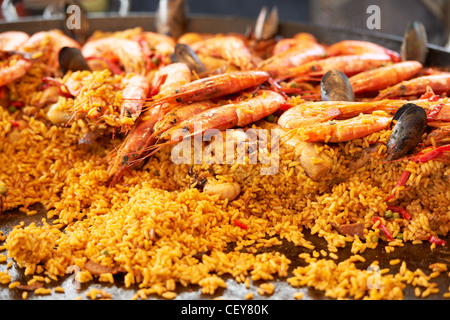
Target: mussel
407 132
266 27
184 53
414 45
171 17
72 59
335 86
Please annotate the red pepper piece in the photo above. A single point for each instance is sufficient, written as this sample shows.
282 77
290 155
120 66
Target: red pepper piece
240 224
17 104
285 106
402 212
15 123
437 241
433 153
64 93
383 228
112 66
401 181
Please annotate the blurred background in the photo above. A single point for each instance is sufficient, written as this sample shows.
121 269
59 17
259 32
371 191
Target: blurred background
394 15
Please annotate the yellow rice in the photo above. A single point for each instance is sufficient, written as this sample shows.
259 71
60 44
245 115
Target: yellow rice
112 225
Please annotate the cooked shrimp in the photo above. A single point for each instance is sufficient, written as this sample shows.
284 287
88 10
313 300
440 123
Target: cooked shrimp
193 37
12 40
180 114
212 87
230 115
280 64
349 65
13 68
127 53
310 112
287 43
383 77
134 95
358 47
439 83
133 149
230 48
140 138
169 78
326 117
344 130
156 47
45 46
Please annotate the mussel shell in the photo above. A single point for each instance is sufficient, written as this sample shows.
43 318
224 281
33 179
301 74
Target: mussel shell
414 45
171 17
266 28
335 86
72 59
407 132
184 53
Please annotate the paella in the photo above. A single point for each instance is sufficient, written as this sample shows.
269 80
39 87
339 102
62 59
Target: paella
165 163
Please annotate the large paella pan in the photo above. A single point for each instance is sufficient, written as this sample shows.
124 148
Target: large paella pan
90 210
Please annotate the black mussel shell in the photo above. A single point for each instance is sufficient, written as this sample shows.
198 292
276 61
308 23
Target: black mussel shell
335 86
72 59
171 17
414 45
267 27
407 132
184 53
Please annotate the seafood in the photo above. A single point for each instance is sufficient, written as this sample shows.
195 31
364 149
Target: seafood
279 66
171 17
136 145
225 190
316 164
287 43
308 113
180 114
13 67
335 86
414 45
344 130
358 47
127 53
407 132
72 59
324 121
134 95
383 77
227 116
347 64
212 87
184 53
169 78
12 40
266 27
439 83
157 48
25 50
45 46
230 48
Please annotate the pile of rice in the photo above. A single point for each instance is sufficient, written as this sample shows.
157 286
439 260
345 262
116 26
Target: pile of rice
161 233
